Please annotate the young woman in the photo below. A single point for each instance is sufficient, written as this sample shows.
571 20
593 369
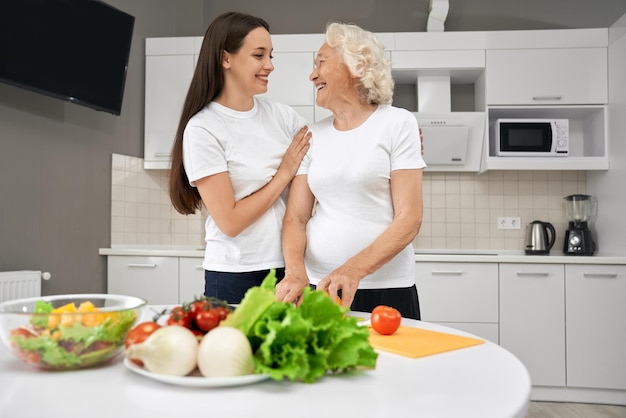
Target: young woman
236 155
362 179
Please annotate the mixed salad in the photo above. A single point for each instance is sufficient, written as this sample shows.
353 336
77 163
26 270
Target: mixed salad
70 337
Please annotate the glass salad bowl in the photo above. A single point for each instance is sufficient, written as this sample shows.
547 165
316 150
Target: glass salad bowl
66 332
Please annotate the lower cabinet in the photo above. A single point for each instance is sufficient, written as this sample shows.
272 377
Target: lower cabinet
460 295
596 326
154 279
159 280
532 319
190 278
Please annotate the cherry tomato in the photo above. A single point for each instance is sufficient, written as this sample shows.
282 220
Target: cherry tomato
179 316
199 305
385 319
223 312
138 334
207 320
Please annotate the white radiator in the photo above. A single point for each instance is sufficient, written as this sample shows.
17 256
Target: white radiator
19 284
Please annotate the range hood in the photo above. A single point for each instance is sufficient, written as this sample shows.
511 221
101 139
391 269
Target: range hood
453 141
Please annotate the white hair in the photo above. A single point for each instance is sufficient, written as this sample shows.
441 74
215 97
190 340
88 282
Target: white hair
366 59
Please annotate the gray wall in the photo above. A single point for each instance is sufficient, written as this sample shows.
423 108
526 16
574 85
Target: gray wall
288 16
55 157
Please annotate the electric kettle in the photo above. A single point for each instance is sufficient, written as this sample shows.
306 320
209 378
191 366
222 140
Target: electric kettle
539 237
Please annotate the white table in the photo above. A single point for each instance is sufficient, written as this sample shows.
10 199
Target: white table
482 381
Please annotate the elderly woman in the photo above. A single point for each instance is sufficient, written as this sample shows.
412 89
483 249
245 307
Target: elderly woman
355 205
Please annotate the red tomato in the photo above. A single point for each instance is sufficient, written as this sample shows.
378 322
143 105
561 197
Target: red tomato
30 357
199 305
385 319
223 311
207 320
21 332
179 316
138 334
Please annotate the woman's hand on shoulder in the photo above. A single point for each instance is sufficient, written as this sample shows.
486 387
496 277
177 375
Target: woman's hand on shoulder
295 153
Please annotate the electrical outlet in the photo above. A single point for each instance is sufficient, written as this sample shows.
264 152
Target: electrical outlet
509 222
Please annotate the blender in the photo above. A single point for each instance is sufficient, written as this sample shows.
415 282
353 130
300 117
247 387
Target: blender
581 210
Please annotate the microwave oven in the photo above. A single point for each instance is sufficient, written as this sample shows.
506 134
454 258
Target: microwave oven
532 137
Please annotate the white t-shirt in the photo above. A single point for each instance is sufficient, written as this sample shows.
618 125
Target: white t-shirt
250 146
349 172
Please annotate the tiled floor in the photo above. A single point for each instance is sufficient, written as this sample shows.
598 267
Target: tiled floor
574 410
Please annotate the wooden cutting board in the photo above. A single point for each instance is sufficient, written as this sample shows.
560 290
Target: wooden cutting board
415 342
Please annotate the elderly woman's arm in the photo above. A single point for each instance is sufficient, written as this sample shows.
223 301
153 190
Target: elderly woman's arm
299 209
406 193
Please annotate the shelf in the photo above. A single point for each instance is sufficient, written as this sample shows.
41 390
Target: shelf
547 163
587 136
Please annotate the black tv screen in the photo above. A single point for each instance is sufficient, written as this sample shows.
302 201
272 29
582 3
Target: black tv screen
74 50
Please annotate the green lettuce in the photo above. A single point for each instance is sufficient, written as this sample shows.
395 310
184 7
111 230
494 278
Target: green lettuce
301 343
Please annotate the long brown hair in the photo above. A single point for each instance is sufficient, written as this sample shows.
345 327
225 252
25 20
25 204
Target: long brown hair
225 33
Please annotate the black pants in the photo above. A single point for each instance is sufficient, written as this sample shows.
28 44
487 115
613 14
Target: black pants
231 287
404 299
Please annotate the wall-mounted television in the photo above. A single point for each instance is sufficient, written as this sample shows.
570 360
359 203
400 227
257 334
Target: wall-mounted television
74 50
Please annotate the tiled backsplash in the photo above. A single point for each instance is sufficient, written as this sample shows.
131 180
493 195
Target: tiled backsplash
141 212
460 209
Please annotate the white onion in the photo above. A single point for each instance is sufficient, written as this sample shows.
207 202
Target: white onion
225 352
171 350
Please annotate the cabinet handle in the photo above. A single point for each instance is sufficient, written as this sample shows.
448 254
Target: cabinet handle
600 275
142 265
448 272
162 154
199 267
532 274
547 97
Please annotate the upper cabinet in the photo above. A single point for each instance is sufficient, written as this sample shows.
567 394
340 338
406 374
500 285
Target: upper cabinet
555 76
170 63
441 76
292 70
562 83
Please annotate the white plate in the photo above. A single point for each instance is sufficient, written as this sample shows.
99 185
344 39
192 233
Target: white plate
197 380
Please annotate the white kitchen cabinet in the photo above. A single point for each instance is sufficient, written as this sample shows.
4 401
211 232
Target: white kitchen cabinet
595 327
170 63
154 279
460 293
588 138
289 82
190 278
569 83
532 319
561 76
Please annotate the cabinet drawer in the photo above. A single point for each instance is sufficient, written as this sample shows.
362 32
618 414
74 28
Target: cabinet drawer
152 278
547 76
458 292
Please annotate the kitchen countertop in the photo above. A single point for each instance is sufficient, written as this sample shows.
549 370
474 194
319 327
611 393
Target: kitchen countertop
432 255
479 381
